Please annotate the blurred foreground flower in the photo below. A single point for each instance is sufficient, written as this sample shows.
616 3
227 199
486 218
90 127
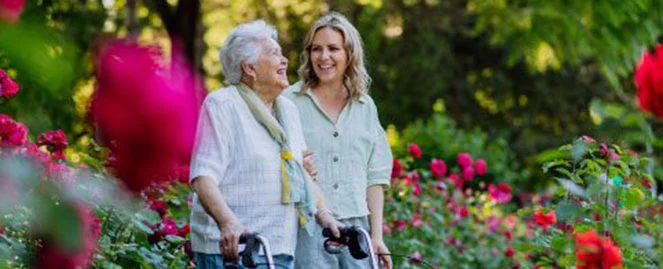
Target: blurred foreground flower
10 10
649 82
595 252
500 193
145 111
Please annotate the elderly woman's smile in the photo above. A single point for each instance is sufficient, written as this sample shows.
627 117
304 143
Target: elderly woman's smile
271 69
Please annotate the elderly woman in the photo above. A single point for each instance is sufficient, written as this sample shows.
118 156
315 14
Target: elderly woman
246 168
342 128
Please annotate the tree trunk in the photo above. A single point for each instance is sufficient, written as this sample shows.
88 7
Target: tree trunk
185 28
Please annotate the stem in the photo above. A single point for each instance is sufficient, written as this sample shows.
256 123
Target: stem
649 140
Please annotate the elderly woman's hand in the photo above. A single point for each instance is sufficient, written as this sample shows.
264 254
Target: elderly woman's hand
326 220
229 243
309 165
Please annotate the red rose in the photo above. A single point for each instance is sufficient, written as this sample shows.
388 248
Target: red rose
509 252
464 159
415 151
468 173
500 193
55 141
480 167
397 169
438 168
649 82
595 252
545 219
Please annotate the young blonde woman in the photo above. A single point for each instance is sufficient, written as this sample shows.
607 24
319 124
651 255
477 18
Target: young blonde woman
343 132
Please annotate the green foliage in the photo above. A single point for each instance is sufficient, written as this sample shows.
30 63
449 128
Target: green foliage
603 189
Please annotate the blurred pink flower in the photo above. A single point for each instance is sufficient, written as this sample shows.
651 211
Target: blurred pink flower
166 227
397 169
587 139
415 175
400 225
454 179
464 159
500 193
385 229
184 231
468 173
494 223
160 207
438 168
12 133
144 111
480 167
604 149
417 188
55 141
8 87
10 10
51 255
416 221
415 151
509 252
462 212
416 257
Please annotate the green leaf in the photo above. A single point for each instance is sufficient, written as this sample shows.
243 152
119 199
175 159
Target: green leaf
578 151
566 210
633 198
560 243
174 239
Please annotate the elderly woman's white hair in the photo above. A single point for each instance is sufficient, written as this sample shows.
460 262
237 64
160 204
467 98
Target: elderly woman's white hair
243 45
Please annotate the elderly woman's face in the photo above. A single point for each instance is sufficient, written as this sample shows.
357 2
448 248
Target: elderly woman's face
272 66
328 55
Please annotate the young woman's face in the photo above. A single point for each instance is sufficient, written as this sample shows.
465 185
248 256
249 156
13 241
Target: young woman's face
328 55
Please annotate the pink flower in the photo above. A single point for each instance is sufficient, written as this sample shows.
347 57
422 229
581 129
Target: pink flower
613 157
648 80
500 193
494 223
397 169
385 229
438 168
468 173
454 179
416 221
12 133
464 159
588 139
509 252
55 141
160 207
415 175
604 149
400 225
416 257
166 227
184 231
8 87
51 255
417 189
415 151
480 167
10 10
462 212
144 111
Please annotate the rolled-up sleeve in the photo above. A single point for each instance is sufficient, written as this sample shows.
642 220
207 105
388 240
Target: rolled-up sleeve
211 151
380 160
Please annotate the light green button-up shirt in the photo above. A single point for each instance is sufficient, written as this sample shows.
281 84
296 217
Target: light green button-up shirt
351 154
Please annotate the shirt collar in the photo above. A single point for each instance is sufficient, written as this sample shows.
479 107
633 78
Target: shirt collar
300 91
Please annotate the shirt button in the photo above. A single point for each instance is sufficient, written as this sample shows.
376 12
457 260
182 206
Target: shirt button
335 134
335 159
335 186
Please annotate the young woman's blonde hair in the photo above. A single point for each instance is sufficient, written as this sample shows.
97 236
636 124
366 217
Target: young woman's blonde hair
356 78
